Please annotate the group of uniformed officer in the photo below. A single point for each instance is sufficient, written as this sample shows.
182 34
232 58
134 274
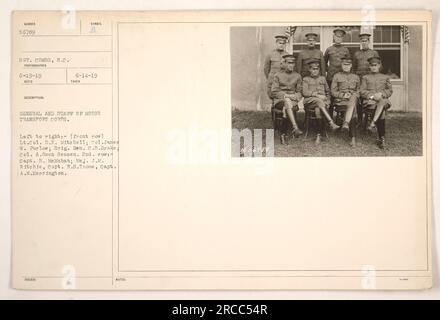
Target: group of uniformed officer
324 81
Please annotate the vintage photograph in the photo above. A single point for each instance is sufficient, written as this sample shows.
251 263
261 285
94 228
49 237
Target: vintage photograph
327 90
121 171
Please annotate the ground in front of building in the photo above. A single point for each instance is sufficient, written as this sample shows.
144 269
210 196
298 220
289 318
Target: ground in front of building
404 137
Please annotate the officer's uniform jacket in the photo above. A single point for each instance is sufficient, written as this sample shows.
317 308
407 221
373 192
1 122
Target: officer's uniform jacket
286 83
344 82
306 54
313 86
361 65
373 83
272 64
332 57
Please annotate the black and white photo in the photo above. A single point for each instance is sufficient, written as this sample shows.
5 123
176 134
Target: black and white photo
348 90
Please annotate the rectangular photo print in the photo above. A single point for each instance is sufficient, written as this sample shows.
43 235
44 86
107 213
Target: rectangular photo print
327 91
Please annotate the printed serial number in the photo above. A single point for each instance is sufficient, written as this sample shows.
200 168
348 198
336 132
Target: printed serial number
242 309
221 309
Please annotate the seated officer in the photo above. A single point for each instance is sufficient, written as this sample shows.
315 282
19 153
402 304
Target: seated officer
345 91
376 88
316 93
286 92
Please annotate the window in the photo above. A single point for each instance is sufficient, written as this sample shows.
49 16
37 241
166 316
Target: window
351 39
386 40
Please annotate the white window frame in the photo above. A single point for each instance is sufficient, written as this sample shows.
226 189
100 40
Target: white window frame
396 46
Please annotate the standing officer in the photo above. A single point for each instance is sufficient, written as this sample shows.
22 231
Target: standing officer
376 88
345 91
316 93
332 57
334 54
273 61
360 62
286 92
310 53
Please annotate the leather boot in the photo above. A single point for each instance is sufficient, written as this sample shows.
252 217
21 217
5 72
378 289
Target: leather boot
353 142
296 132
318 139
381 142
371 127
283 139
333 125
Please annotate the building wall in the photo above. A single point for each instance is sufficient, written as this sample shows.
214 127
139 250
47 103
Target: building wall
250 45
415 69
244 72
